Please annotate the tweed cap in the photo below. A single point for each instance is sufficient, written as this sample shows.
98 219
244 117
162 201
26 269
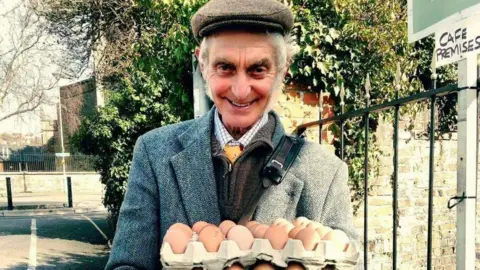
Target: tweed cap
233 14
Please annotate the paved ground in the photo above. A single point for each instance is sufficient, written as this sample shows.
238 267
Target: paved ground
69 241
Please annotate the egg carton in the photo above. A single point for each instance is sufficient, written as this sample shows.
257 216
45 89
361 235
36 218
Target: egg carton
229 253
324 254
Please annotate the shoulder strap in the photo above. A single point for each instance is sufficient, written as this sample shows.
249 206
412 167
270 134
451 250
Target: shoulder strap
274 171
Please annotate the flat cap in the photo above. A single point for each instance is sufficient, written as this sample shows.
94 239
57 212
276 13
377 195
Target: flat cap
230 14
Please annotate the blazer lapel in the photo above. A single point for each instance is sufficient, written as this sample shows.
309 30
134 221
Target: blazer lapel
194 172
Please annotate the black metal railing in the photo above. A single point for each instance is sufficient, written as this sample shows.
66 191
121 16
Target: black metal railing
430 95
21 162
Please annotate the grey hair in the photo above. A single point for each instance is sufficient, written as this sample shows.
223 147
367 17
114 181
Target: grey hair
285 50
285 46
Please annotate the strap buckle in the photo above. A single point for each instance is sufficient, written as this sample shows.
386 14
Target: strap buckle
273 173
275 162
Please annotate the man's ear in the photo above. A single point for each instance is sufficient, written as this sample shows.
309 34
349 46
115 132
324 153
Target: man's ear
197 52
286 69
200 63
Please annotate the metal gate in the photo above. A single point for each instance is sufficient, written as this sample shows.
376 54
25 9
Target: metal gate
467 90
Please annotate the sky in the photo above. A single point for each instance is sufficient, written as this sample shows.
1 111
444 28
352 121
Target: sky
28 123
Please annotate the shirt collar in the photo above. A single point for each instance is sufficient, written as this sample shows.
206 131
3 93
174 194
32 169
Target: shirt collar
224 137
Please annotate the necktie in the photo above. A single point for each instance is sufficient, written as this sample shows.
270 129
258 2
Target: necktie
232 152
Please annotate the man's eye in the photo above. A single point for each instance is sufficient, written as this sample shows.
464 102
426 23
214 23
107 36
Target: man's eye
224 68
258 71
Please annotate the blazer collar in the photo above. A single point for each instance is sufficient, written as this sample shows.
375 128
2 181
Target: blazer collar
193 167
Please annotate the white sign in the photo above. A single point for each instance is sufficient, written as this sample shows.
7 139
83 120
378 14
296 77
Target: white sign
457 42
425 17
62 154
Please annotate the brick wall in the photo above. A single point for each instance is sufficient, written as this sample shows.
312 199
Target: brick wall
296 108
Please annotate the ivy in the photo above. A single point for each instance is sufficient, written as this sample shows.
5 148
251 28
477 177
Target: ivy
343 41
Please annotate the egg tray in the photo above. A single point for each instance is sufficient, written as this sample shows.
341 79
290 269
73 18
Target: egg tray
229 253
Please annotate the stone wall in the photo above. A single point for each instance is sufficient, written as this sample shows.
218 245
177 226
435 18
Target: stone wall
414 149
50 183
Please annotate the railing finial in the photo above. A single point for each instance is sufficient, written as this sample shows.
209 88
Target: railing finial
398 80
368 87
342 95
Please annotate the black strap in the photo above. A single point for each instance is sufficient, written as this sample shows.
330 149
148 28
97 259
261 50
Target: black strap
273 173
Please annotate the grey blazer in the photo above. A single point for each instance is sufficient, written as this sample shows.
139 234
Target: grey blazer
172 180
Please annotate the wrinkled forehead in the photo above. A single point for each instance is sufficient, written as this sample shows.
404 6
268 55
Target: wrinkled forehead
243 45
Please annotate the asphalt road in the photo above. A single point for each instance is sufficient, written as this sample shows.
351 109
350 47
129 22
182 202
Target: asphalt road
68 241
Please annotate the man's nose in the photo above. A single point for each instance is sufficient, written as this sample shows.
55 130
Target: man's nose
241 86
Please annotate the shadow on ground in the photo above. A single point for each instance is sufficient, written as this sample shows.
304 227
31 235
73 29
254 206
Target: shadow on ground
68 260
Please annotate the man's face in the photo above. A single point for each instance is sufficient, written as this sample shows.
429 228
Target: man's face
241 75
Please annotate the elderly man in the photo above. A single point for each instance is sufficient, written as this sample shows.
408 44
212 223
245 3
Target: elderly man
208 168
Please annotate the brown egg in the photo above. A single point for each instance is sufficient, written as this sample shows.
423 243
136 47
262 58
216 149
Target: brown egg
259 230
288 227
295 266
211 236
339 239
182 227
242 236
300 220
235 267
226 225
264 266
277 236
303 226
280 221
309 238
250 224
314 225
177 239
294 232
252 228
322 231
198 226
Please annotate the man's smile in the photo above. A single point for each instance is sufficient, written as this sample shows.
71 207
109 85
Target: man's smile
241 105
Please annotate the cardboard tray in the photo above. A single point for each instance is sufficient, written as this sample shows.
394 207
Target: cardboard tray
229 253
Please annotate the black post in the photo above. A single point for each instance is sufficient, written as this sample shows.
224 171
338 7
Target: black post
430 182
320 117
365 174
9 194
342 139
398 87
69 185
395 185
320 134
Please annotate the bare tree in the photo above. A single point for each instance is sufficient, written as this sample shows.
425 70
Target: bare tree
27 55
98 31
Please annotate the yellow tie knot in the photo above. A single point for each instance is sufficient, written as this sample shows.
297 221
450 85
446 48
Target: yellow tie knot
232 152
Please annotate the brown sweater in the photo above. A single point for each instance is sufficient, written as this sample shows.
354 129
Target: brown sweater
237 182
